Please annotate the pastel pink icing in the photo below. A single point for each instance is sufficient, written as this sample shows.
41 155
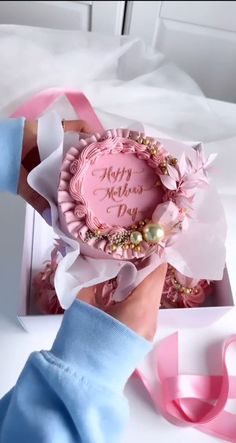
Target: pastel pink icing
109 183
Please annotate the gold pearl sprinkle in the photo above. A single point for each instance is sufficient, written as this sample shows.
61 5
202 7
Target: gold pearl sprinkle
136 237
174 161
153 233
153 151
97 232
132 246
137 248
114 248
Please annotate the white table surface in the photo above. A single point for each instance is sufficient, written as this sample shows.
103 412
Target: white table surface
199 349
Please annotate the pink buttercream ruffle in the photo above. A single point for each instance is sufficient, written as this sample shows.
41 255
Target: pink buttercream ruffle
179 183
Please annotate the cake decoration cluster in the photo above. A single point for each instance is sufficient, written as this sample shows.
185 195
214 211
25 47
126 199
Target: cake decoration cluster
177 180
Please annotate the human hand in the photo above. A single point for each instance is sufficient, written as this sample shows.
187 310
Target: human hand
139 311
30 159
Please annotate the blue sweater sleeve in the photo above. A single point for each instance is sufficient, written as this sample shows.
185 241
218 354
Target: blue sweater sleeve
11 136
74 393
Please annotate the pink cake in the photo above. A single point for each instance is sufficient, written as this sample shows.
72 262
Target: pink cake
120 195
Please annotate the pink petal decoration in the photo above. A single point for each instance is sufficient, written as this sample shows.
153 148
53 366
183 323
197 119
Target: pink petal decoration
166 214
182 165
173 173
168 182
210 160
184 202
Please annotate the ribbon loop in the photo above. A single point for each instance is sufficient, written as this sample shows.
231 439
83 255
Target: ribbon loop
194 400
40 102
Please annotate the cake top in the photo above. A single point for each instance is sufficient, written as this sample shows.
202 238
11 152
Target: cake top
122 193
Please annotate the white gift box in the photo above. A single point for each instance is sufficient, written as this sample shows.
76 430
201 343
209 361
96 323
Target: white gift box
38 243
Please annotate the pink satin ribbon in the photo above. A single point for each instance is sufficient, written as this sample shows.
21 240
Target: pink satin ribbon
35 106
193 400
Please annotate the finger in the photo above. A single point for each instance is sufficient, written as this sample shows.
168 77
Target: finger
92 295
29 195
152 284
86 294
77 126
140 310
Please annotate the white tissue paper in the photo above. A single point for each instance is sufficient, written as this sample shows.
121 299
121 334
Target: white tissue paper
126 83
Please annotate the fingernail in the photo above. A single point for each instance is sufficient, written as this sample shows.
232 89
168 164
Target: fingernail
47 215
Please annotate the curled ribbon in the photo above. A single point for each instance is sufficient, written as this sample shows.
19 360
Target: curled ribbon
40 102
194 400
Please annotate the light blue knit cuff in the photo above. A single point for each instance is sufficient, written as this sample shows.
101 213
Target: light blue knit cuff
11 139
96 344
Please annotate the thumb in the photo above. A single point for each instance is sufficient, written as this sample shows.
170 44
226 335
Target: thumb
140 310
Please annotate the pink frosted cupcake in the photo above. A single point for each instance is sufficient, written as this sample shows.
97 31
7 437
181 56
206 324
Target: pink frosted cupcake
183 292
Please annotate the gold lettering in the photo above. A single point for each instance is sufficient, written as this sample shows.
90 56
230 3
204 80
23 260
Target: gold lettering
122 209
118 193
115 175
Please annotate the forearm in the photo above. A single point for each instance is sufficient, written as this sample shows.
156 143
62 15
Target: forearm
75 392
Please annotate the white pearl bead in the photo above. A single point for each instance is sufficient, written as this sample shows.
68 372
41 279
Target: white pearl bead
136 237
153 233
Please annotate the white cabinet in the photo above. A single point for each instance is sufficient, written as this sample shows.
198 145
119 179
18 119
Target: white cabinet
50 14
199 36
99 16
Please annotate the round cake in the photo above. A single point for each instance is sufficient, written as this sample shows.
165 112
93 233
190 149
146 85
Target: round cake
119 195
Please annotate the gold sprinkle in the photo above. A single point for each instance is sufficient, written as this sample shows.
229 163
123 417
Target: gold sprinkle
174 161
138 248
153 151
114 248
